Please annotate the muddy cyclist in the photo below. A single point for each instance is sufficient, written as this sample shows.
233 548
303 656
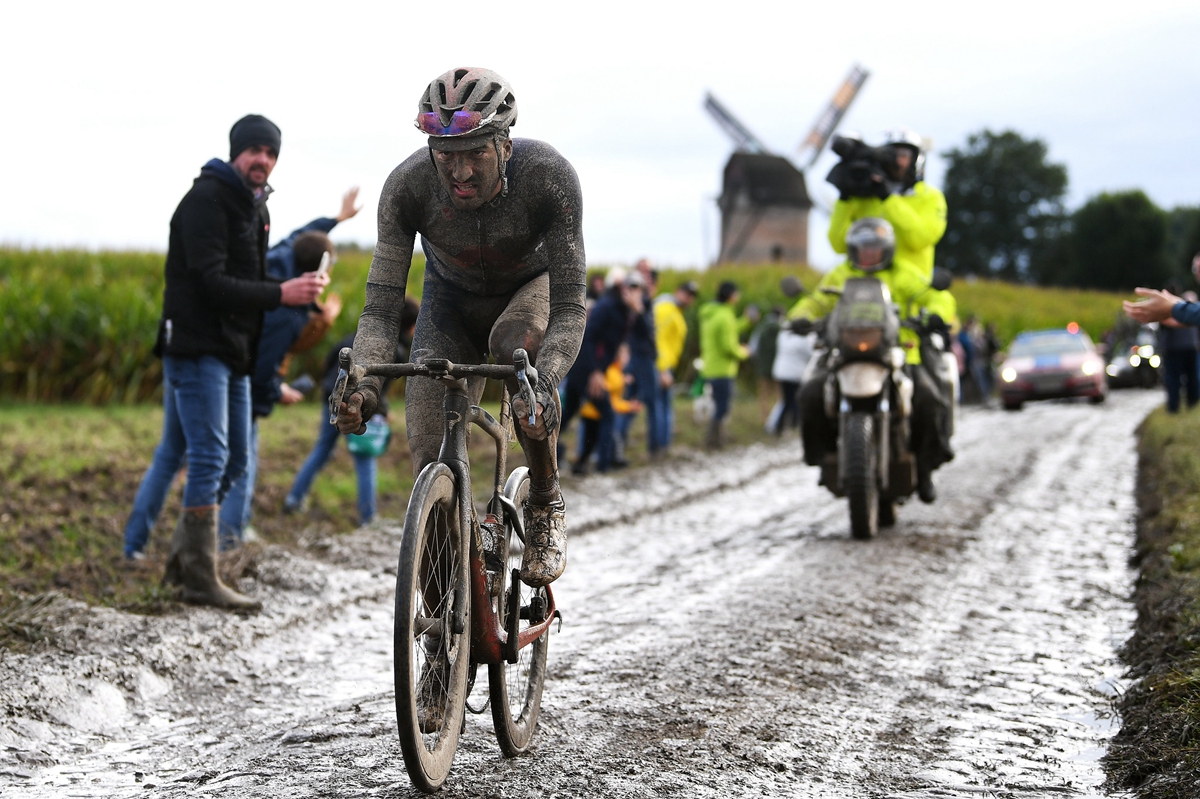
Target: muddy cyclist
501 228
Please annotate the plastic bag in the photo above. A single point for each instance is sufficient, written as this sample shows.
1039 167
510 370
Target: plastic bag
373 441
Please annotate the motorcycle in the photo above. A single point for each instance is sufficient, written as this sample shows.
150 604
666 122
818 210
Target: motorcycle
870 394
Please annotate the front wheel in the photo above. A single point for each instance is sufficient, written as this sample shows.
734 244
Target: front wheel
516 688
431 656
861 481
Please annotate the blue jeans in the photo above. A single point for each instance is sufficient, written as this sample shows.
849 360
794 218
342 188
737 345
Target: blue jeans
236 510
664 411
722 394
206 419
364 467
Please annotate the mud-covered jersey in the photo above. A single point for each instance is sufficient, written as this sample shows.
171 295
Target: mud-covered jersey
491 251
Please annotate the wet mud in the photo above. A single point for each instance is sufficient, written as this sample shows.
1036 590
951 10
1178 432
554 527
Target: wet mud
723 636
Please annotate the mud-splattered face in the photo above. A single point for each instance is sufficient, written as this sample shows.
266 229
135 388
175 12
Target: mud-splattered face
472 177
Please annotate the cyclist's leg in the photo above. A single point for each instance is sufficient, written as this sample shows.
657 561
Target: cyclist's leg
522 324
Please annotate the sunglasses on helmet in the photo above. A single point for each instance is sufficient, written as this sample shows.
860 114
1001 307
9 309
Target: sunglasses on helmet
461 123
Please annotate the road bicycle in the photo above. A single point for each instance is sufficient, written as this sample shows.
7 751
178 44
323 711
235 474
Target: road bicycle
459 598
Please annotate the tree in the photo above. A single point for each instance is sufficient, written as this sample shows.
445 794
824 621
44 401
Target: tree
1117 243
1183 241
1004 206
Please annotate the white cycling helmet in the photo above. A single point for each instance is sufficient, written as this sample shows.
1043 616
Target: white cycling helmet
465 104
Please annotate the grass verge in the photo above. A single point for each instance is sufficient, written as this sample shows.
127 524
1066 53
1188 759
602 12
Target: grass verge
1157 751
69 474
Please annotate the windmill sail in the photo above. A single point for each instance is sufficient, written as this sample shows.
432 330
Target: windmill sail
827 123
743 139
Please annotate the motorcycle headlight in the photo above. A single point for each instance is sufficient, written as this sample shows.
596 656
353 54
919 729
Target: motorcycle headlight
861 339
1155 361
1145 350
1135 360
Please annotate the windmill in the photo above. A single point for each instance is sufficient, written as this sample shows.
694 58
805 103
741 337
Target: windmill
764 199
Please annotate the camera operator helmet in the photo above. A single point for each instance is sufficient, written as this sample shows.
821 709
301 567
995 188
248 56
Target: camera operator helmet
461 107
908 138
870 244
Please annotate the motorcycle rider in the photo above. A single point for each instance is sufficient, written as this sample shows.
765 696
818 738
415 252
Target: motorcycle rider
915 210
872 252
501 229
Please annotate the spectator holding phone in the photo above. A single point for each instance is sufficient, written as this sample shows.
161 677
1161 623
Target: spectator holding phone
216 291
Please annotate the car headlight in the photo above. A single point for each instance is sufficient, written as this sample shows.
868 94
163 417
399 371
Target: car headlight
1089 368
1009 374
1134 360
1111 369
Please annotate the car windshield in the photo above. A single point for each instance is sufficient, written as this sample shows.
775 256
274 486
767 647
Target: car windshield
1052 344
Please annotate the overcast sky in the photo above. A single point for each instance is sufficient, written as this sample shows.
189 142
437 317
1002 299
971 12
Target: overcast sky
111 108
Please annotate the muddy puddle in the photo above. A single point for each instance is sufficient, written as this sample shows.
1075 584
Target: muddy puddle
722 636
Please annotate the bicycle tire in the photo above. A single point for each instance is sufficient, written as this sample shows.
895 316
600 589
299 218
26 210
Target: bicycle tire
862 482
516 688
433 557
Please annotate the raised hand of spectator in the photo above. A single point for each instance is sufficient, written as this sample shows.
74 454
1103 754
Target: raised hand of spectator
1155 307
349 208
289 395
303 289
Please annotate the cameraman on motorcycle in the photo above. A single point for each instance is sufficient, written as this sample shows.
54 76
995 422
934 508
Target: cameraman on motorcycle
872 252
894 189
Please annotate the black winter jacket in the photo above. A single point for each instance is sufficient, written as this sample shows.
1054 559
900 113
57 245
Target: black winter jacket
216 282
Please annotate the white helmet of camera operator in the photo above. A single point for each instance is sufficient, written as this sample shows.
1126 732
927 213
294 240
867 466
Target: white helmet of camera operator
910 138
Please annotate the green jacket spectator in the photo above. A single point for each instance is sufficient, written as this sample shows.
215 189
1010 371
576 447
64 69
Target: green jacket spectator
720 349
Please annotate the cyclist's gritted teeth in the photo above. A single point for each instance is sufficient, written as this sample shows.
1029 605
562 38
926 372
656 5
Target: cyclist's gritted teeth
465 191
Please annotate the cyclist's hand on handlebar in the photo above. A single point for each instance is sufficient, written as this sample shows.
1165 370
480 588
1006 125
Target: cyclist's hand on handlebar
537 431
350 417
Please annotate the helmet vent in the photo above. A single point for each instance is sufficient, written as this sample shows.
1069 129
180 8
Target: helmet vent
491 92
459 74
442 93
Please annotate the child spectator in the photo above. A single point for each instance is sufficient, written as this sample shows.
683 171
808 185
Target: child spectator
599 430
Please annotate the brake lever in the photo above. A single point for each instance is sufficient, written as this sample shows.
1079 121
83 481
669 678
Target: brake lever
345 369
526 375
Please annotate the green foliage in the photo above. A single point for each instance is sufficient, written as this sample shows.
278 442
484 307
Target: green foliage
80 326
1156 753
1117 243
1005 206
1183 241
1014 307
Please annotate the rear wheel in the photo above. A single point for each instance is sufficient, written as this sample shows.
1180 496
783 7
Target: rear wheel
861 482
516 688
1014 405
431 657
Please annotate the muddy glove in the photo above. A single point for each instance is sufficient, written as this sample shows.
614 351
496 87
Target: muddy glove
546 422
357 409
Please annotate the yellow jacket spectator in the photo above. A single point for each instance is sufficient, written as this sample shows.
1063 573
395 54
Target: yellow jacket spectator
671 331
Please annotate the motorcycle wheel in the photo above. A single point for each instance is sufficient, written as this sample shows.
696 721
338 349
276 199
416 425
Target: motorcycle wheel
861 482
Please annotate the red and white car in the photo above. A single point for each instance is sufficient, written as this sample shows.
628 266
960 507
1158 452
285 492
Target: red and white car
1051 364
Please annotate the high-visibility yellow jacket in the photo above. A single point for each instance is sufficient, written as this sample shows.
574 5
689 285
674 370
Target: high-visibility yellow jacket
919 220
910 290
670 332
615 381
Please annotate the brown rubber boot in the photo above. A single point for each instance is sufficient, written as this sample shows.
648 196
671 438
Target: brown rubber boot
193 562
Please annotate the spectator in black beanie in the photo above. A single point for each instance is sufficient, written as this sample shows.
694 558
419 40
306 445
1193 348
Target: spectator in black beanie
216 292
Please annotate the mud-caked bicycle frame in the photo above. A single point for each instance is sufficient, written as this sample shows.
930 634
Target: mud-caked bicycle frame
478 591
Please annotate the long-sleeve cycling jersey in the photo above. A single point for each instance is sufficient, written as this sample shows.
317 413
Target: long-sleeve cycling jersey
491 251
919 219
